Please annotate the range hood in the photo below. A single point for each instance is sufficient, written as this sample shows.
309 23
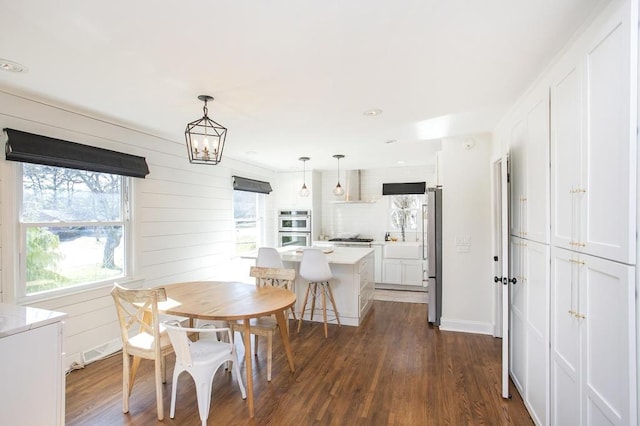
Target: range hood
352 189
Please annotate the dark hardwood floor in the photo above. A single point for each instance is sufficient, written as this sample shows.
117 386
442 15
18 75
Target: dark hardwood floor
394 369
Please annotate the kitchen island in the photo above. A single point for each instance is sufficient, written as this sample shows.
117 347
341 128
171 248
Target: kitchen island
352 284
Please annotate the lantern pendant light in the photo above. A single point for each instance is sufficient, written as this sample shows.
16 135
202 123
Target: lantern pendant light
304 191
338 190
205 138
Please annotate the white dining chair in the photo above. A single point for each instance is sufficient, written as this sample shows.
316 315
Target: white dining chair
314 268
201 359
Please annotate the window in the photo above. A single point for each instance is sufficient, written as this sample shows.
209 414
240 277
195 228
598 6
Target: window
247 213
405 212
73 228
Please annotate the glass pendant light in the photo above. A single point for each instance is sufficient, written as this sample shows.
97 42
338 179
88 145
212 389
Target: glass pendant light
338 190
304 191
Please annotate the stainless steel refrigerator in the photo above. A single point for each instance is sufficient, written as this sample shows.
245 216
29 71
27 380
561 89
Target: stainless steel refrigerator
432 251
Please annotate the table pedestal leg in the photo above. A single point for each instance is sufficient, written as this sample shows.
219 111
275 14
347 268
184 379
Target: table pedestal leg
282 325
247 361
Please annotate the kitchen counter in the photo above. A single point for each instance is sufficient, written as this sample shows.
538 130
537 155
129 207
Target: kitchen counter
339 255
352 284
16 319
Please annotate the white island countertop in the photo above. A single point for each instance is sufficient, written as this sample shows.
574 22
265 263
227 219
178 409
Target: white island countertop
16 319
335 255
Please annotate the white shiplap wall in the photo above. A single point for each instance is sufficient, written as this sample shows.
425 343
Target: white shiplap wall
182 215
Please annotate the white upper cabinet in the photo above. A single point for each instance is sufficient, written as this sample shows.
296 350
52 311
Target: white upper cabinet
566 156
593 148
529 175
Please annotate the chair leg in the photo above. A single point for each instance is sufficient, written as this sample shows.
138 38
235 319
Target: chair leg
132 373
163 366
313 299
126 387
304 306
159 399
333 303
269 347
174 391
324 309
236 367
203 395
255 344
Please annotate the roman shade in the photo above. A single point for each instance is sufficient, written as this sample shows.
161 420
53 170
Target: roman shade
404 188
30 148
251 185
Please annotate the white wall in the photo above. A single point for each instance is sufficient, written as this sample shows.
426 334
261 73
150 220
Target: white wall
182 214
467 279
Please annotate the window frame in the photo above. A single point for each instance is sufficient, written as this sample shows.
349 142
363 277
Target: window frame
260 222
20 274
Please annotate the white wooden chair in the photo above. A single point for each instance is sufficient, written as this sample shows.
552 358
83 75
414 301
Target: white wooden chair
142 338
266 326
201 359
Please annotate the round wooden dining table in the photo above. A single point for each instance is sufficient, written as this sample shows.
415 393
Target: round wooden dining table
216 300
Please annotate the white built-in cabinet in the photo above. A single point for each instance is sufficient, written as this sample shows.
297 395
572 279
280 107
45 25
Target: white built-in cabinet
32 380
593 212
529 157
529 257
529 324
592 347
593 148
573 230
405 271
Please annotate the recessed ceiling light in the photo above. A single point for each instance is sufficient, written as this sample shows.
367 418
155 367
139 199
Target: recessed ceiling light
7 65
373 112
401 162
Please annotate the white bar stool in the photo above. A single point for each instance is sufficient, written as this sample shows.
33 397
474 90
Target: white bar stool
314 268
268 257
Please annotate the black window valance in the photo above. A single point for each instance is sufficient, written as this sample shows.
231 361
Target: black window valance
404 188
251 185
29 148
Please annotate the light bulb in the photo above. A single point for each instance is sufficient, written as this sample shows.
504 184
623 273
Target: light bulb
304 191
338 190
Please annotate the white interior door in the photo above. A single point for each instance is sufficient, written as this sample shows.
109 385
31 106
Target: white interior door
501 262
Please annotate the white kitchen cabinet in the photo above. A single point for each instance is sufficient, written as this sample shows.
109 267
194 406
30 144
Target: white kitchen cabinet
529 309
593 147
529 174
402 271
378 262
593 353
31 372
352 284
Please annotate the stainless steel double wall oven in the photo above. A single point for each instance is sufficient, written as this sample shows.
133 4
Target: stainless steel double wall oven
294 228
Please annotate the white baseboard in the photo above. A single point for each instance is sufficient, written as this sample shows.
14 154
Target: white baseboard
463 326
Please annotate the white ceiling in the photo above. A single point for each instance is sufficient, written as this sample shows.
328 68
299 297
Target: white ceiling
291 78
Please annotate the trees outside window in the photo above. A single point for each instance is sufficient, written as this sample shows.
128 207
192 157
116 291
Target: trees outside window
247 214
73 225
404 213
